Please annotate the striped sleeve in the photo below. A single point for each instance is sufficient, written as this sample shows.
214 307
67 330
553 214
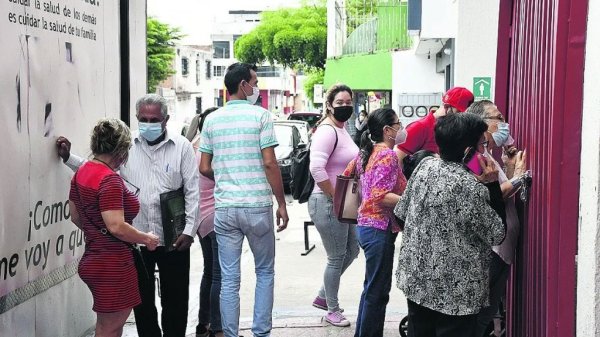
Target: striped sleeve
267 132
110 193
206 145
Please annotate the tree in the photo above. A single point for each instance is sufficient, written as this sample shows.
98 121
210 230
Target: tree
292 37
160 42
314 77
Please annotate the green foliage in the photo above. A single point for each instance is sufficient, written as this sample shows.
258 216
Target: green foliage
160 42
295 38
314 77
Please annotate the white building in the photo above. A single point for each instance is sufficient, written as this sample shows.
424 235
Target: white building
277 85
188 91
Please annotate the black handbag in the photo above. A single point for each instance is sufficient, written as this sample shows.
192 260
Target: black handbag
138 259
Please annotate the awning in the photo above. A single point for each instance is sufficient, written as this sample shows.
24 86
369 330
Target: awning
360 72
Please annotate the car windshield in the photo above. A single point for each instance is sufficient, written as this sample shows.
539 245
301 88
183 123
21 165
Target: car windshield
283 133
310 119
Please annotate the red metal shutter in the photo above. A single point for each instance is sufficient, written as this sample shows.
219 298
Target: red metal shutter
540 86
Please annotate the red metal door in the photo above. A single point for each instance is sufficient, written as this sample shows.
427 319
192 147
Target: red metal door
540 86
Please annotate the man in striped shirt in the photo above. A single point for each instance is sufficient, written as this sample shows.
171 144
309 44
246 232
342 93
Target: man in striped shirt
158 162
237 145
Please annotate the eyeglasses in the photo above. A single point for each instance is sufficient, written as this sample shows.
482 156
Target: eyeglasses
497 118
397 123
484 143
131 187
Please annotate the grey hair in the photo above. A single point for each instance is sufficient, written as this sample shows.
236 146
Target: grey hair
480 107
152 99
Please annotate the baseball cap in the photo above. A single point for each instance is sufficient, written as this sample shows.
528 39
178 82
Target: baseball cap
459 98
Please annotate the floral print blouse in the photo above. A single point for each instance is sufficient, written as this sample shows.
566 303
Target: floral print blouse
382 176
449 229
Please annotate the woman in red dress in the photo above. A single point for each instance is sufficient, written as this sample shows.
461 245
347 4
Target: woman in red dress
103 207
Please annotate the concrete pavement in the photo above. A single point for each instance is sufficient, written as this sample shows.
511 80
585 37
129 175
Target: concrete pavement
297 280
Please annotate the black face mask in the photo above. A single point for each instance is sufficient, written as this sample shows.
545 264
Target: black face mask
343 113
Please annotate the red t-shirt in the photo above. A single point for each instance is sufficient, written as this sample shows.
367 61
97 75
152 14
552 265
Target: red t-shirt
420 136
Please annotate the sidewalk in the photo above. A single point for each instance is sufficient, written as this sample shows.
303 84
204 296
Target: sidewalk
297 280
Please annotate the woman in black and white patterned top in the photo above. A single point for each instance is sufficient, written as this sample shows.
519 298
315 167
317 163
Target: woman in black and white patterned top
452 218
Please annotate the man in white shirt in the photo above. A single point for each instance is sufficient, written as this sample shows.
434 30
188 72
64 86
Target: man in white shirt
158 162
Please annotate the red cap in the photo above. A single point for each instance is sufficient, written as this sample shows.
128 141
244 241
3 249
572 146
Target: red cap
459 97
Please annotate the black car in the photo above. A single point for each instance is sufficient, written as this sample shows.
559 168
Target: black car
290 142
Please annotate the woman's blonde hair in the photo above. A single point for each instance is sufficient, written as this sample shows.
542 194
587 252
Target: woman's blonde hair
111 136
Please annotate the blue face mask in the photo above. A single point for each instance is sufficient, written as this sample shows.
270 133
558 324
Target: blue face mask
502 135
150 131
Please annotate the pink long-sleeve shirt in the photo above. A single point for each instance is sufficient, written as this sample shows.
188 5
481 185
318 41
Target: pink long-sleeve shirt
325 162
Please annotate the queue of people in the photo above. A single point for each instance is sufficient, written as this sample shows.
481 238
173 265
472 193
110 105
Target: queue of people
436 182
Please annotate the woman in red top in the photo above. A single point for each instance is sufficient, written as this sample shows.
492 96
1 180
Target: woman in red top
103 207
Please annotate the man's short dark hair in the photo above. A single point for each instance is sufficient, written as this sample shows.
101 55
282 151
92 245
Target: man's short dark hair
455 132
479 108
236 73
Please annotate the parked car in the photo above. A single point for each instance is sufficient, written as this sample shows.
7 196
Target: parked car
290 143
310 117
303 128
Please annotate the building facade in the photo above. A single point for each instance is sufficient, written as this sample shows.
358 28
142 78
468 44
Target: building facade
278 85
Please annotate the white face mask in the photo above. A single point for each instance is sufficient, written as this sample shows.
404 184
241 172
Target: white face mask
254 97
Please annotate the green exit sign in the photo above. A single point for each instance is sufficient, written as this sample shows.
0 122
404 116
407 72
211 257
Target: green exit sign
482 88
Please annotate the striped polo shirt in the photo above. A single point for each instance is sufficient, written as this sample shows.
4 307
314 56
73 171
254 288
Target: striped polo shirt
235 135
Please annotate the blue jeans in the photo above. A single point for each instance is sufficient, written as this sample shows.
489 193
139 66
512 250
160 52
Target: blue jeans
231 226
378 246
339 240
210 287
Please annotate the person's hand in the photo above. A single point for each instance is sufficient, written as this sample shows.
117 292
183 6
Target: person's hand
490 172
63 147
183 242
152 241
508 155
282 218
520 163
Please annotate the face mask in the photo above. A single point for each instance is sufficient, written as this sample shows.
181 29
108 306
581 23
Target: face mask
502 135
254 97
151 131
400 136
342 113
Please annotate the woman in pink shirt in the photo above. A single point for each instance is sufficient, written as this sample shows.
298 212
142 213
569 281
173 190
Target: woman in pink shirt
331 150
209 313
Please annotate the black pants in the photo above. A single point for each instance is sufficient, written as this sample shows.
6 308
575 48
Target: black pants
174 273
210 287
424 322
498 280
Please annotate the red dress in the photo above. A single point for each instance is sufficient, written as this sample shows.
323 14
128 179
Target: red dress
107 265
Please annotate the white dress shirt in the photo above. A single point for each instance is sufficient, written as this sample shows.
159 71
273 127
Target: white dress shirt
164 167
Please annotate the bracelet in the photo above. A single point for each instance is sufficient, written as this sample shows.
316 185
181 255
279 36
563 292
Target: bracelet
517 182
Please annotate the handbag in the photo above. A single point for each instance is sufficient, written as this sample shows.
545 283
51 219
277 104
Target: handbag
138 259
347 197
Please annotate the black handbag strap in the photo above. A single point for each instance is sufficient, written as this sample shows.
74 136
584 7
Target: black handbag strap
102 230
336 139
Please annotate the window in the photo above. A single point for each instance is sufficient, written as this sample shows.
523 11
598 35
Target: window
266 71
197 72
221 49
219 71
184 66
208 70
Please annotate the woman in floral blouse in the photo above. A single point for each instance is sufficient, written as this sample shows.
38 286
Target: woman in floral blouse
382 184
451 222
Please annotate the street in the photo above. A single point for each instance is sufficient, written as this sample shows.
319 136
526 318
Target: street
297 279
